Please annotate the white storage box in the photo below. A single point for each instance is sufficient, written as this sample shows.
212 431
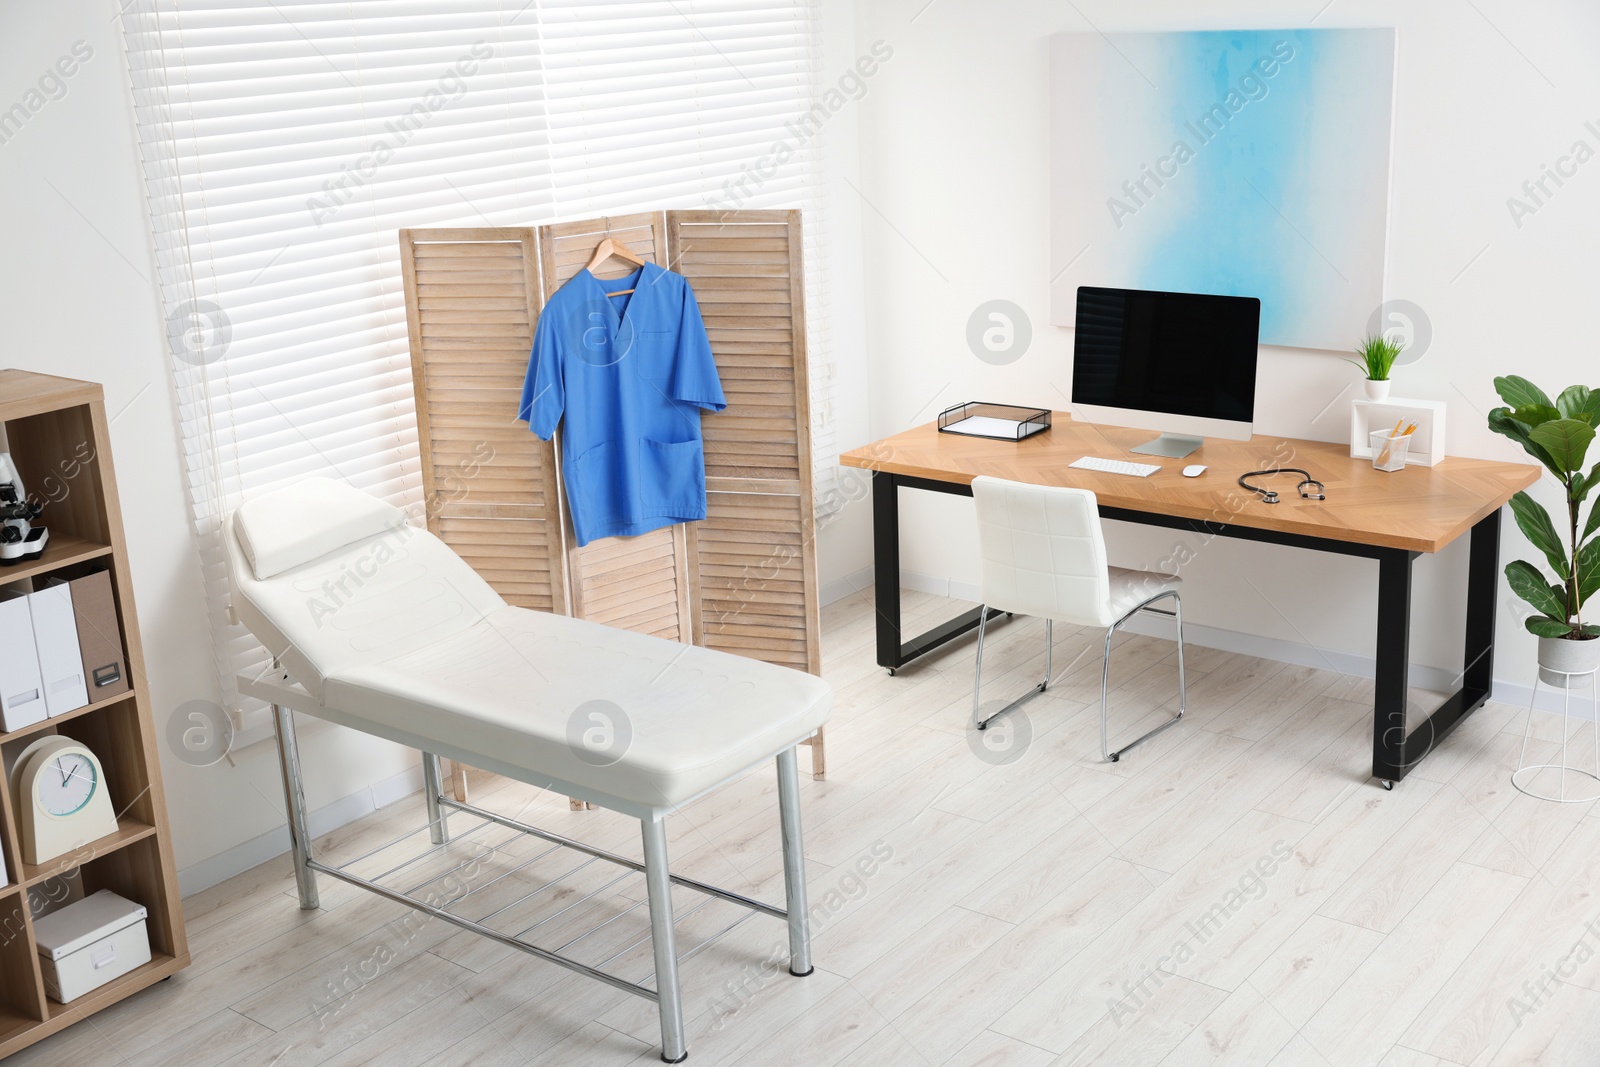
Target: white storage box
89 943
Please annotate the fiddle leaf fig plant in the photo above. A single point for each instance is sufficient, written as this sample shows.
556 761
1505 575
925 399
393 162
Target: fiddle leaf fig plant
1557 433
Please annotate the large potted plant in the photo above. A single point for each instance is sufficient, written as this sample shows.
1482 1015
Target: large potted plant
1557 434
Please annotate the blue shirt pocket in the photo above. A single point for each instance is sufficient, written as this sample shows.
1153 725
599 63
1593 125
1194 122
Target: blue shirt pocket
654 351
673 475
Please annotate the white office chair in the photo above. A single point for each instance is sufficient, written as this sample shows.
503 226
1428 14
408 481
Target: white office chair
1044 555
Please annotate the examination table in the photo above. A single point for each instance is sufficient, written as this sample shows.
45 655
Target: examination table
376 625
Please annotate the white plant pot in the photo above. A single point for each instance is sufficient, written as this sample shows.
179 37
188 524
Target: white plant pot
1377 390
1561 659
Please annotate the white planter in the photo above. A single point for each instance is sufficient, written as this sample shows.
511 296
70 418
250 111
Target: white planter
1560 659
1377 390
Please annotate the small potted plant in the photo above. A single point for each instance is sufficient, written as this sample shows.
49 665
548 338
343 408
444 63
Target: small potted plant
1377 360
1557 434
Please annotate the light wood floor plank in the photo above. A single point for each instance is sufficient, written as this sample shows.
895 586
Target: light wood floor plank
990 1049
1309 967
1549 936
1410 863
1244 1029
1360 1022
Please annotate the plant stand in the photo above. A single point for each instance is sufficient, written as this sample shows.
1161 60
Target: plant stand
1586 787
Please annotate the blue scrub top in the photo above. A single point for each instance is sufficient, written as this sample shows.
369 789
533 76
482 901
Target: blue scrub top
629 375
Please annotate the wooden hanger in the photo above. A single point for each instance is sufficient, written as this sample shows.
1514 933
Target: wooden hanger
613 248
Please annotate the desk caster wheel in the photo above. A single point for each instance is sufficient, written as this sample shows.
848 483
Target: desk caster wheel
1388 785
891 672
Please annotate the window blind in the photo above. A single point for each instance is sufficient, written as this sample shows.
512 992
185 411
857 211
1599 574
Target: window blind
284 143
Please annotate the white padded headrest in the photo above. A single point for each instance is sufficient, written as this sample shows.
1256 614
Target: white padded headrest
304 521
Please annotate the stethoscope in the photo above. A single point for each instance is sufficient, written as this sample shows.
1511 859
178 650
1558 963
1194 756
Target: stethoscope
1271 497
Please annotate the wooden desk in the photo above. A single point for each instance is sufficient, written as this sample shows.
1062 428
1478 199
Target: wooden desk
1388 517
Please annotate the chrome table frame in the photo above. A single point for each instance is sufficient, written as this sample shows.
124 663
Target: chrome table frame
658 878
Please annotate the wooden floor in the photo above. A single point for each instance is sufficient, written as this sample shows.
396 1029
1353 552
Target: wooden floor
1237 891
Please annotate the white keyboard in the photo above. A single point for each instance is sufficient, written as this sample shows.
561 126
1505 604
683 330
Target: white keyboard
1116 466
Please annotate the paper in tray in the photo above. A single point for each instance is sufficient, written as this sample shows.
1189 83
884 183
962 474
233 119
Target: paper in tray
1002 422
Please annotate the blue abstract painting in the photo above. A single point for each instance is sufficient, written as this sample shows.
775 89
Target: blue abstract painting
1248 163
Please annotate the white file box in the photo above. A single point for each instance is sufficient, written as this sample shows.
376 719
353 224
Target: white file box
89 943
22 700
55 632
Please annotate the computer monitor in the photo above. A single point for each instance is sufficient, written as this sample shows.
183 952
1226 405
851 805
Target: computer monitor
1183 364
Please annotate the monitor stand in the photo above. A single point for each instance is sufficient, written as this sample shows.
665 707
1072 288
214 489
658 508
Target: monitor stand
1169 446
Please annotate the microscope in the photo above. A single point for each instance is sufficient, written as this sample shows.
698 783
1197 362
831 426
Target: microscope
20 540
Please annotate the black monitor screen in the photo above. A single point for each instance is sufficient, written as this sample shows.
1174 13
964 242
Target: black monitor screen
1177 353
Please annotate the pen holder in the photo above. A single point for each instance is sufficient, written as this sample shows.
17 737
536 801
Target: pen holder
1389 450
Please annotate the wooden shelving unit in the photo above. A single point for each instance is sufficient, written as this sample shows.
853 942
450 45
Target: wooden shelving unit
56 432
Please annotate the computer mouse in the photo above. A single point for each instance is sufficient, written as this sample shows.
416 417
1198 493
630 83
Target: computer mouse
1194 470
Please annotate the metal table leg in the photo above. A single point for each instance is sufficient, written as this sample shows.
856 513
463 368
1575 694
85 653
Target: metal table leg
886 567
1393 665
1396 748
893 652
1483 585
432 790
305 880
663 940
794 865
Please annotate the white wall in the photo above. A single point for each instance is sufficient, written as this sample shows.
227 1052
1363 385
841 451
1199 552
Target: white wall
76 300
844 539
954 176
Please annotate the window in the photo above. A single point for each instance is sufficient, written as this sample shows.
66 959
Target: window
284 143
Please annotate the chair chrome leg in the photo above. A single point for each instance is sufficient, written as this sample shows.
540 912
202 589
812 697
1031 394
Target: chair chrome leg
1183 692
794 865
658 885
433 789
1105 677
977 671
977 677
294 797
1105 690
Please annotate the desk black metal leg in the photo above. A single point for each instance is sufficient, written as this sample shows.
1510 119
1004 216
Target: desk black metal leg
886 566
1393 752
1394 657
893 651
1483 584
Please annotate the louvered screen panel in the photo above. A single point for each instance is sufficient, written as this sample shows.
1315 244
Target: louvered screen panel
472 297
637 583
754 575
753 578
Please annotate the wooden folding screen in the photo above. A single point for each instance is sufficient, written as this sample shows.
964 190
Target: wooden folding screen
490 487
744 580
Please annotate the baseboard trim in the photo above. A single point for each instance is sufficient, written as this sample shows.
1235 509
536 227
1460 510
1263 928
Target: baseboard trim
840 588
861 581
1274 648
258 850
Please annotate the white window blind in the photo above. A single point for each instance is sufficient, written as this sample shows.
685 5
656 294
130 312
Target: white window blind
284 143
